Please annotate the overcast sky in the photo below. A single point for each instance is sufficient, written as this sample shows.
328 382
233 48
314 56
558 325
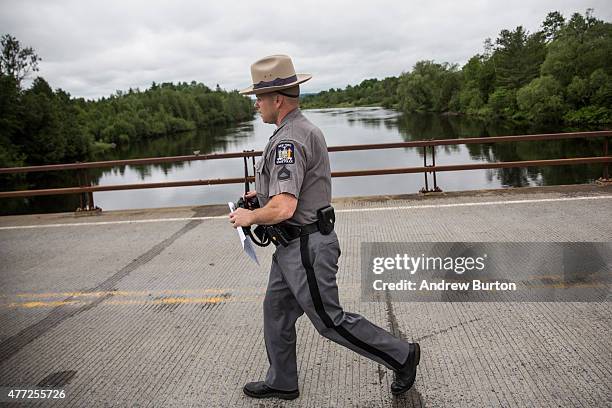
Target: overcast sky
92 48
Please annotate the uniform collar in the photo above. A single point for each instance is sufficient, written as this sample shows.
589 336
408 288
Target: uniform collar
288 117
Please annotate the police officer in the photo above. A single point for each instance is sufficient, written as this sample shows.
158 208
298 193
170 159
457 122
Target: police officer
293 182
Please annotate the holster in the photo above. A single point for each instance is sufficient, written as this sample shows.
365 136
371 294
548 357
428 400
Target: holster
326 218
276 235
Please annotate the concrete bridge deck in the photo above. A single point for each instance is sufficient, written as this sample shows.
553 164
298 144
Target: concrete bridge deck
160 308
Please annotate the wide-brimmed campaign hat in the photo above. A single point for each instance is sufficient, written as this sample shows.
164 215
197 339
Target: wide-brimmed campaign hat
273 73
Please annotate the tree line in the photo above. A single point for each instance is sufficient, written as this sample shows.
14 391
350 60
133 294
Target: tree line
39 125
559 74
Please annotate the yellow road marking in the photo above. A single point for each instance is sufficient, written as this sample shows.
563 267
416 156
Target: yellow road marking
29 305
127 302
126 293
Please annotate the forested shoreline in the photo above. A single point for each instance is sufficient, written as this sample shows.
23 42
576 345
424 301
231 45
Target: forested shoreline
561 74
39 125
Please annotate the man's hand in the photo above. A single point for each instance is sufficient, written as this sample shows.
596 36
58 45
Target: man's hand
250 194
241 218
280 208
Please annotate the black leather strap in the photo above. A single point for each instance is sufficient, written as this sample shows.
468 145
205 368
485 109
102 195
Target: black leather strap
295 231
309 229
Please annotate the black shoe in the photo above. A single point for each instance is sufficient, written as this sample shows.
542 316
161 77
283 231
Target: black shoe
404 378
259 389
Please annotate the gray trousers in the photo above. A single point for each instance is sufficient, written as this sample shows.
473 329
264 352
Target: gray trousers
303 280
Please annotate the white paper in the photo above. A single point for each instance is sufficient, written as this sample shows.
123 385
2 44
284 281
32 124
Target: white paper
245 241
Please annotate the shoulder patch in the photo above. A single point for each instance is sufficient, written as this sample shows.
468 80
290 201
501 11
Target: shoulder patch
285 153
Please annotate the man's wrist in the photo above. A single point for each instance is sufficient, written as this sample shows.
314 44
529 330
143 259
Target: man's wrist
253 217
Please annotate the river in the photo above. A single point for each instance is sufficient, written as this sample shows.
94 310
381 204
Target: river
341 126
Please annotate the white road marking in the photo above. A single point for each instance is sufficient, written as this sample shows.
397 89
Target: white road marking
352 210
474 204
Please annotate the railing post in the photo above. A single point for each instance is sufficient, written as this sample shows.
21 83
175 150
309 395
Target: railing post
86 200
606 175
82 198
433 161
78 174
253 162
426 188
90 199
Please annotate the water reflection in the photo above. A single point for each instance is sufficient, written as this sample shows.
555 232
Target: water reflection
341 127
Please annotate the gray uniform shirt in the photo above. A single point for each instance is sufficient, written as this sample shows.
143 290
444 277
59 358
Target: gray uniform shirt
295 161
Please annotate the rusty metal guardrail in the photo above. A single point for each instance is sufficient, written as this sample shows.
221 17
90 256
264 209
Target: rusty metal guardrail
86 189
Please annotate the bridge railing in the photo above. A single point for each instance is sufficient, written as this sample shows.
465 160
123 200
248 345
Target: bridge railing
86 189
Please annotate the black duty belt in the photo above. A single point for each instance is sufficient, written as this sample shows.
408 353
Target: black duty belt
281 234
295 231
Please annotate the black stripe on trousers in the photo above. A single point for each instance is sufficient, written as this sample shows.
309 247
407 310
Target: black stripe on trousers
318 304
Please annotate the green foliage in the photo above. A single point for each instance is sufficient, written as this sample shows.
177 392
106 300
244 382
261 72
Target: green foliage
552 25
589 114
479 73
561 73
370 92
10 123
517 57
541 101
470 100
578 92
429 87
502 102
600 85
589 99
161 110
582 46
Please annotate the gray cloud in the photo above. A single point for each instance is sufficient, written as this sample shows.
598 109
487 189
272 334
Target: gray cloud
91 48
